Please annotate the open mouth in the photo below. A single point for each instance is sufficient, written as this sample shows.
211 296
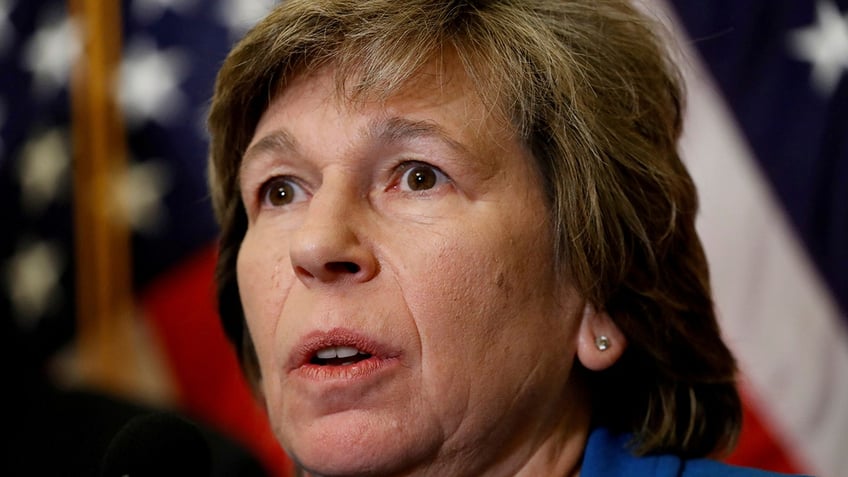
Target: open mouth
338 356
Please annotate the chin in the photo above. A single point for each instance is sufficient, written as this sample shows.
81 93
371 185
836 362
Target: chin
357 443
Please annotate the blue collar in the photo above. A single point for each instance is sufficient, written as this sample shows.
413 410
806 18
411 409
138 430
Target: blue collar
608 455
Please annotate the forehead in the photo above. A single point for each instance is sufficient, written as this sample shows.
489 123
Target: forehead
438 101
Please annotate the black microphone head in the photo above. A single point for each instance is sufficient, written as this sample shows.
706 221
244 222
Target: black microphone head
157 444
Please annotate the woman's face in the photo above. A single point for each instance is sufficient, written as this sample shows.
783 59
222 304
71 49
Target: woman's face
398 282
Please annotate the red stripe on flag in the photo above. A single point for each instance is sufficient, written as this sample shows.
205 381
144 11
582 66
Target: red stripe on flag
757 445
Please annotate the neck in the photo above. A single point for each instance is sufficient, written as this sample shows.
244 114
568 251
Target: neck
559 452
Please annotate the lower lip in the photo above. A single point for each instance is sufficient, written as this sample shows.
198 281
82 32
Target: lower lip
361 370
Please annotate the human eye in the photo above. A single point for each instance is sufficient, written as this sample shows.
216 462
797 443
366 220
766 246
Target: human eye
280 191
419 177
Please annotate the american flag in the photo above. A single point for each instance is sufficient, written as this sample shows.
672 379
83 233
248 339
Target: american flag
766 139
171 50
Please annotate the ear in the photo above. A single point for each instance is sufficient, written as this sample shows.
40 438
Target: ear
599 341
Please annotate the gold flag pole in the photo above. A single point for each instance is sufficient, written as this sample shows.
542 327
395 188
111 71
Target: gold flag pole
102 242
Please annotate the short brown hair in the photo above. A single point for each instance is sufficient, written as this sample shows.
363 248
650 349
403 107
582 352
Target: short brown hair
589 87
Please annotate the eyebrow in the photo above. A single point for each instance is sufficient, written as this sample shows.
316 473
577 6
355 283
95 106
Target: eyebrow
386 130
279 141
395 129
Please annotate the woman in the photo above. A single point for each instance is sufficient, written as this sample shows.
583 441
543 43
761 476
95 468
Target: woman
457 239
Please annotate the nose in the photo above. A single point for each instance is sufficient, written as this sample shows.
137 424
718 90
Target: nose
330 246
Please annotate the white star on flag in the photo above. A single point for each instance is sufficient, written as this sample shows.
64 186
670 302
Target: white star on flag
32 278
43 170
239 15
139 194
51 52
825 45
7 31
149 11
148 84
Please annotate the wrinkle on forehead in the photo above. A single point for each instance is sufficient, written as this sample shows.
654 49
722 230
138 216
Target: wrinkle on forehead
481 136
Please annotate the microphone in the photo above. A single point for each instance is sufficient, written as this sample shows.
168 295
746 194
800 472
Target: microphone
157 444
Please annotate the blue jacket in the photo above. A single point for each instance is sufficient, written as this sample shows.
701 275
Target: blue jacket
607 456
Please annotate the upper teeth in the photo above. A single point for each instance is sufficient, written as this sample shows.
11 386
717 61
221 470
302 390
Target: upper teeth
337 352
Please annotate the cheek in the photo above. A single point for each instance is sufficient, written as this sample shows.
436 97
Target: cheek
484 306
260 270
478 301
